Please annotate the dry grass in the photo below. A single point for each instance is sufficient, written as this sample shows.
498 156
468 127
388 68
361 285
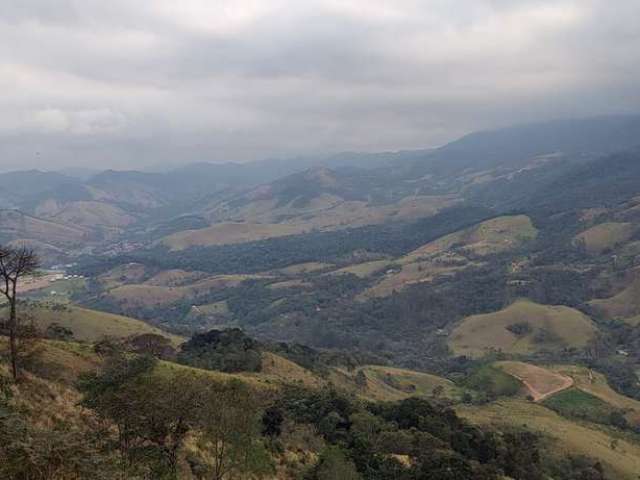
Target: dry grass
604 236
364 270
390 384
302 268
90 325
128 273
492 236
286 371
228 233
295 283
410 274
86 213
446 255
325 211
15 224
217 308
147 295
132 296
570 438
175 278
551 328
625 304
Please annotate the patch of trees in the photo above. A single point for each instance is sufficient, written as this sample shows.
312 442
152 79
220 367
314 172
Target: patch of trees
553 286
519 329
228 350
367 441
155 411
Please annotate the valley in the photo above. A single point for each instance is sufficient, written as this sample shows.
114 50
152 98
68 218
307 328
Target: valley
492 281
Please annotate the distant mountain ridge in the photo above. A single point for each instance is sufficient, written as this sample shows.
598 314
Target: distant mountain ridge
499 169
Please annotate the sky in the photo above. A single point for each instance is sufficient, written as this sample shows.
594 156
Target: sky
136 84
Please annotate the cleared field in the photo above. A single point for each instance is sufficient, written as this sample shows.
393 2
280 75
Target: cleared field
227 233
625 304
218 308
90 325
128 273
295 283
146 295
302 268
60 290
524 327
364 270
540 382
604 236
175 278
447 255
411 274
569 437
389 384
492 236
36 282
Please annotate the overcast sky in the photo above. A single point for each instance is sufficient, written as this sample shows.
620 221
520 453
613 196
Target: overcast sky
129 84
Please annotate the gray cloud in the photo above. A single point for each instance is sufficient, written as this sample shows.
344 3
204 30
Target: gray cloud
130 84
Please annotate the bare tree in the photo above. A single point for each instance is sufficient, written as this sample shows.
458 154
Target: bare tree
15 263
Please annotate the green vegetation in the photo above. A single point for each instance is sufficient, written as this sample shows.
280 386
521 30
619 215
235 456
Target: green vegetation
574 403
492 382
228 351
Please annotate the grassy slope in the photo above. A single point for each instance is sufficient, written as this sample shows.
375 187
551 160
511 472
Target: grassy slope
625 304
227 233
389 384
478 334
148 295
363 270
67 360
596 384
570 437
604 236
90 325
446 255
491 236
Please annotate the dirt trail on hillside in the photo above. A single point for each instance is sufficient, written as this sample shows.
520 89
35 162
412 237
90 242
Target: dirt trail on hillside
538 396
539 381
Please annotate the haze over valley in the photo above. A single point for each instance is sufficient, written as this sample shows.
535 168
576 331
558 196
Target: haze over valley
347 241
